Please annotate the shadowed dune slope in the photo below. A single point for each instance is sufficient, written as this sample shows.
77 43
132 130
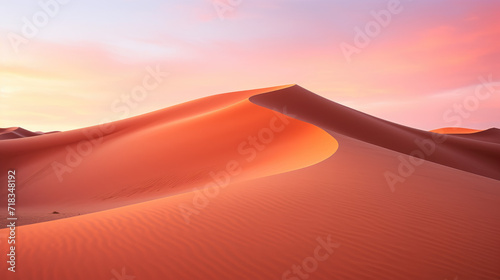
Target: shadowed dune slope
464 153
16 132
455 130
489 135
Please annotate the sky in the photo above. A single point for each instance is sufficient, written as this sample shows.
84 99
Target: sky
67 64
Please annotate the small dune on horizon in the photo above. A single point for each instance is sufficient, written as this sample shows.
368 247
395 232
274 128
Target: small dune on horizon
16 132
248 185
455 130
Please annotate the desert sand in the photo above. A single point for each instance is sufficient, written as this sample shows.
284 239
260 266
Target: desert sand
248 185
16 132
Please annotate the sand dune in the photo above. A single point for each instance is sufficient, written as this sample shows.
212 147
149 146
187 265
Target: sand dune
464 153
158 154
489 135
16 132
318 184
455 130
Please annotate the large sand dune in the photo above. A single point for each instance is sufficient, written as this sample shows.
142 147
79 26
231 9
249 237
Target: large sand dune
16 132
275 183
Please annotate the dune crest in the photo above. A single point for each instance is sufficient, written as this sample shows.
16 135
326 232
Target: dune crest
16 132
464 153
455 130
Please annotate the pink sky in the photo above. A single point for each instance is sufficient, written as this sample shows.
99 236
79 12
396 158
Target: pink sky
424 68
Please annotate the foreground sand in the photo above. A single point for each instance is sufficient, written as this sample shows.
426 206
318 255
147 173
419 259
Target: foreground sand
321 180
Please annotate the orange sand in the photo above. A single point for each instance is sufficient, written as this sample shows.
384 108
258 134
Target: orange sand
147 219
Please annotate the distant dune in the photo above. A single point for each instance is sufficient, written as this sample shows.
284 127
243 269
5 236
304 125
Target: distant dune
489 135
457 152
16 132
161 153
455 130
248 185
